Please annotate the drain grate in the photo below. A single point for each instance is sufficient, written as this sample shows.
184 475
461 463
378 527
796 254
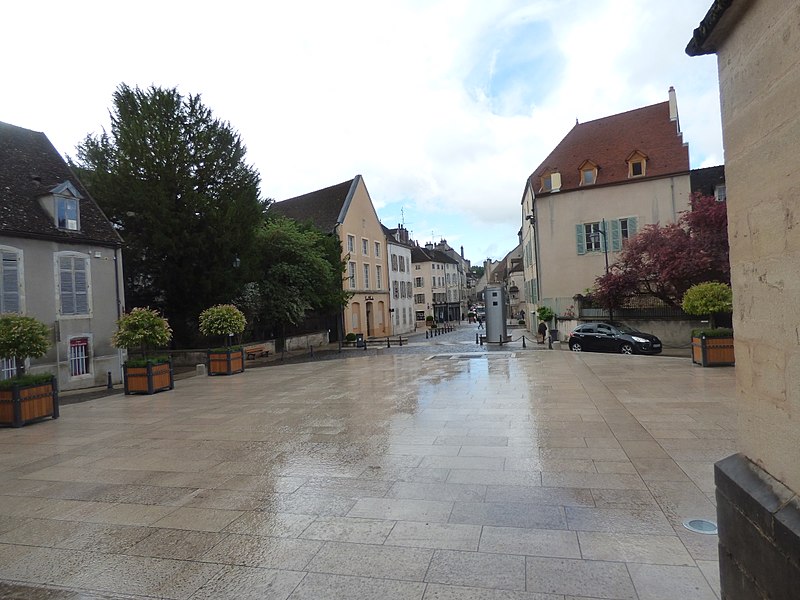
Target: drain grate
701 526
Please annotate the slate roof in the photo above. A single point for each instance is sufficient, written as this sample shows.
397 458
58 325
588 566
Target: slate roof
29 168
420 255
609 142
707 179
323 207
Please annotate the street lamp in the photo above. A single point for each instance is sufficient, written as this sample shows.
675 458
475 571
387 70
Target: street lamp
595 237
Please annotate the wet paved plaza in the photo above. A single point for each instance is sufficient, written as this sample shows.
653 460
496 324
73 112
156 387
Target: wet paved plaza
433 474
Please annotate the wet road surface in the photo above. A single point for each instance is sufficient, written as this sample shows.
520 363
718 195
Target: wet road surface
437 471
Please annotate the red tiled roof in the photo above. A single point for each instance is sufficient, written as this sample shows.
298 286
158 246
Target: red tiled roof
609 141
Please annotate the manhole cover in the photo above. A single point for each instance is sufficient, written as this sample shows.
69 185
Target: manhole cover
701 526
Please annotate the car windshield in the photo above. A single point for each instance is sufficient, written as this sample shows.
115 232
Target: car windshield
626 329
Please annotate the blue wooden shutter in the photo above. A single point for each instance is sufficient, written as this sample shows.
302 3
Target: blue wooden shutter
580 238
616 236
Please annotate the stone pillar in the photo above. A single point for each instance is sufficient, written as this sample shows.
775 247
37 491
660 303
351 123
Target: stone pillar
758 50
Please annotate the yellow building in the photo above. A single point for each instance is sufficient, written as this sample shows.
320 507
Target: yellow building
346 210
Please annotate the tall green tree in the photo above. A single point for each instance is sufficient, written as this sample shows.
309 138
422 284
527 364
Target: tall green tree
300 270
174 181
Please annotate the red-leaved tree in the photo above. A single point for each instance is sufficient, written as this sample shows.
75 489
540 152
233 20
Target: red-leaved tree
666 261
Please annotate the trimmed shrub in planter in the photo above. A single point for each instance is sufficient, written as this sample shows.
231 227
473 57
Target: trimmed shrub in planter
714 346
25 398
223 320
144 329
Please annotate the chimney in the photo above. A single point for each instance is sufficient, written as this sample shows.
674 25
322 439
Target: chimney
673 108
462 251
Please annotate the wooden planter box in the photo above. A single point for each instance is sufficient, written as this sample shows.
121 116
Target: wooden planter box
713 352
225 362
21 405
149 379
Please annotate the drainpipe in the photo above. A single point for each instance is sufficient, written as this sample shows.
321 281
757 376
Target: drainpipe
120 358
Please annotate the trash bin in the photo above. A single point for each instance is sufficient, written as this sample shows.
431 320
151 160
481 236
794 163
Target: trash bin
554 335
359 340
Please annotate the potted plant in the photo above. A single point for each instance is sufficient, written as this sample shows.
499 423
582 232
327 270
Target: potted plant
430 322
712 346
224 320
144 329
25 398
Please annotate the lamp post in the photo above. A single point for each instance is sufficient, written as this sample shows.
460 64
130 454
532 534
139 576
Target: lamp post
596 238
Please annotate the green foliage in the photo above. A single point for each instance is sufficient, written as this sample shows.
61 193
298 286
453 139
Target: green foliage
429 319
174 181
708 298
299 269
25 380
717 332
222 319
545 314
521 322
22 337
142 328
350 337
142 362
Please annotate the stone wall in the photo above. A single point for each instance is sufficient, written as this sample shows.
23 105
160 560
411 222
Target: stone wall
758 54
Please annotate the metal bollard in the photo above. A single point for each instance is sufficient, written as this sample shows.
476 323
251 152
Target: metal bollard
401 341
109 385
481 340
388 343
365 344
549 342
523 342
501 339
476 338
426 334
312 351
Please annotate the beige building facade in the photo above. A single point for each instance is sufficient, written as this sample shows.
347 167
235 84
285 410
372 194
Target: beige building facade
757 44
346 210
605 181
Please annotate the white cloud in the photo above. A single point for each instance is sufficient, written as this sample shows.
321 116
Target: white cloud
445 106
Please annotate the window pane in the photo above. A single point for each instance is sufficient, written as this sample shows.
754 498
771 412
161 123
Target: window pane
78 356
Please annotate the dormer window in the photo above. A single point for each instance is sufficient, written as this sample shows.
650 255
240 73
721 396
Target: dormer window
637 164
550 182
588 172
65 208
67 213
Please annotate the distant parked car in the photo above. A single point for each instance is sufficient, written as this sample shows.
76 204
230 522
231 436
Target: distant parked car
603 337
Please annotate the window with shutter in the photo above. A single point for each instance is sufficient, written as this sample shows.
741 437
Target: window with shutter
580 238
74 285
9 282
617 228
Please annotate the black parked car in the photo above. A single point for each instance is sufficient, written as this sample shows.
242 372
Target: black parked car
602 337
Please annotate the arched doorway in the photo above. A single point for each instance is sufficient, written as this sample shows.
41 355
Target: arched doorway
369 319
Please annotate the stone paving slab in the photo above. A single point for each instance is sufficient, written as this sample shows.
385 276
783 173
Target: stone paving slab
504 475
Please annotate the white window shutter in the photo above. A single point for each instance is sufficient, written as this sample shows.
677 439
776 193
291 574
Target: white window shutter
555 182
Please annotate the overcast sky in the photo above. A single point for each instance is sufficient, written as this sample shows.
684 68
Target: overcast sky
444 106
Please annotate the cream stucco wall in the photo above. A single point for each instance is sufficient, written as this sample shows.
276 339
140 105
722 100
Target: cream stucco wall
562 271
368 309
403 320
759 72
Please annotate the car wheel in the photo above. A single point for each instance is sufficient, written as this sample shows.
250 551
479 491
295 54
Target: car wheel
575 347
626 349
